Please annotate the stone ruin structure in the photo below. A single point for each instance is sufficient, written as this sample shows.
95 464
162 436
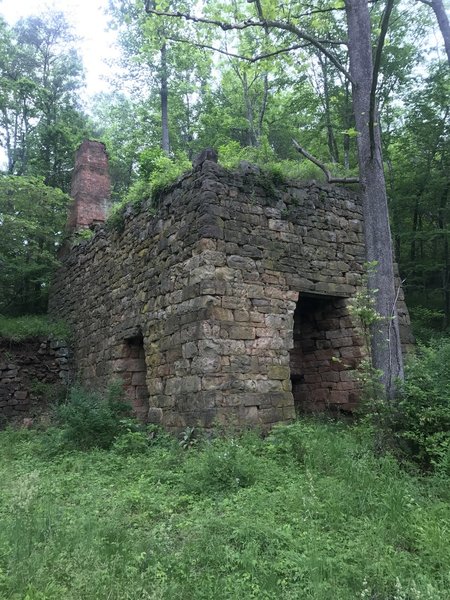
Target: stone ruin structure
223 300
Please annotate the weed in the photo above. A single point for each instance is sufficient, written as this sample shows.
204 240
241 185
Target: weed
91 419
223 466
188 438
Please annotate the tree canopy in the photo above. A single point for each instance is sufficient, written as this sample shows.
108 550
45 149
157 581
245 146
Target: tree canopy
248 78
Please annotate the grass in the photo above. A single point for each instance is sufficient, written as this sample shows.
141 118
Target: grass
17 329
309 512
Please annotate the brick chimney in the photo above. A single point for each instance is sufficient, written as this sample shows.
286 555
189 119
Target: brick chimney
91 186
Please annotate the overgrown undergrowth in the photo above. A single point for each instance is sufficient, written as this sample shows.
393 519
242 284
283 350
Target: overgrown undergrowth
308 512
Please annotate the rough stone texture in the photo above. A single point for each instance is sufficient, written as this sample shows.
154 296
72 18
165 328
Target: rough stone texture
26 369
91 186
206 290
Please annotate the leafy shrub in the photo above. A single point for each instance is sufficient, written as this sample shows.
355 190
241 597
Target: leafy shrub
232 153
426 323
116 216
223 466
131 442
90 419
286 443
137 438
420 421
157 171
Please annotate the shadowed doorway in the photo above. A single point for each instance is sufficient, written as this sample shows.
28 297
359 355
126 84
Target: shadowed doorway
326 350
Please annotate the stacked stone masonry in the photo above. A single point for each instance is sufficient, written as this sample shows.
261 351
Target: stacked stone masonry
229 305
31 372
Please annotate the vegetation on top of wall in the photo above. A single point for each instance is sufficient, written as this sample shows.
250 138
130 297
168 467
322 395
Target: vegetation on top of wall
157 173
17 329
264 156
81 236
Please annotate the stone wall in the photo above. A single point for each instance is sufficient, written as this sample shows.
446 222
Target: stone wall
30 373
204 294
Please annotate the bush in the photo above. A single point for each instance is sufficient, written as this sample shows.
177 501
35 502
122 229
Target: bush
137 438
420 421
223 466
286 443
90 419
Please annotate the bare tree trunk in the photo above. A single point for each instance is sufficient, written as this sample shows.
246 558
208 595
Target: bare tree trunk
165 142
262 110
331 140
251 137
386 348
444 25
446 258
348 120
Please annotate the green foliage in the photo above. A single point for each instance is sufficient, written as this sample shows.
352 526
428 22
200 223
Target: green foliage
363 308
81 236
286 443
338 524
157 172
17 329
420 206
232 153
136 438
115 220
224 466
92 420
420 420
426 323
41 123
32 218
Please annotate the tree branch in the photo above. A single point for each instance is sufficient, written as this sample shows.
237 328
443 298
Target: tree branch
240 56
316 161
376 71
300 33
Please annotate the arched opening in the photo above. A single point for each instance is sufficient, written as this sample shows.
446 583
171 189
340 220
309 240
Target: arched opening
134 375
326 350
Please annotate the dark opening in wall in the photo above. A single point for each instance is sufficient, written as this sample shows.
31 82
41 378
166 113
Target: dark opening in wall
326 350
134 376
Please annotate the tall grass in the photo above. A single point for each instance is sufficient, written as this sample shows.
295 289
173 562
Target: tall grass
308 512
17 329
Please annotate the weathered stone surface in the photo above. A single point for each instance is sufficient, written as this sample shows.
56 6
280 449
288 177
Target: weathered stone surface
33 368
239 292
91 186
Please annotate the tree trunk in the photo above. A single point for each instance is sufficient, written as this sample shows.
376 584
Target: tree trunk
262 110
251 137
348 121
331 140
386 348
445 257
165 142
444 25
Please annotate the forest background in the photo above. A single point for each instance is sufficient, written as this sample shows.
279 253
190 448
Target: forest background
183 87
101 506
